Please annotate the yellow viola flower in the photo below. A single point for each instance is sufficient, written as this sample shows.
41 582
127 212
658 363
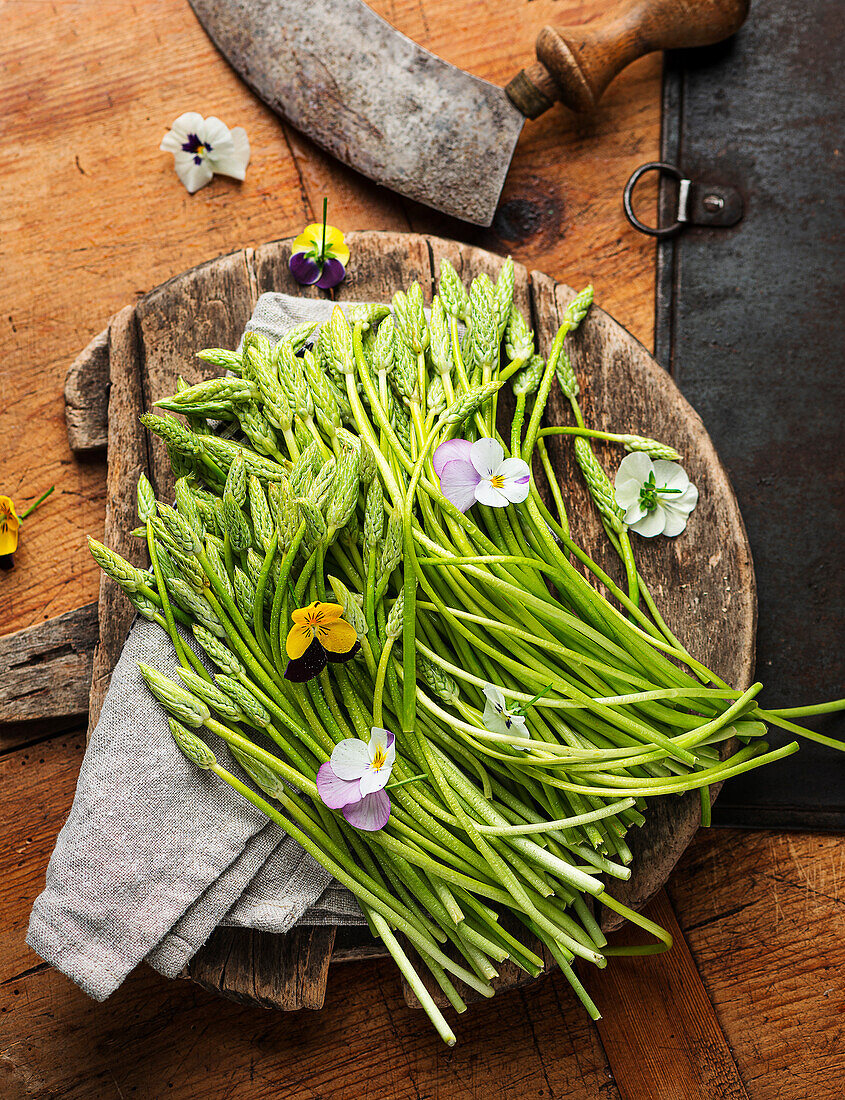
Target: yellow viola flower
9 527
319 634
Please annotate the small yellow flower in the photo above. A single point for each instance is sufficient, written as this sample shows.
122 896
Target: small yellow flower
310 241
319 622
9 527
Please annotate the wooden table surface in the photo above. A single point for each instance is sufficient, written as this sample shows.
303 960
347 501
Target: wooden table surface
750 1001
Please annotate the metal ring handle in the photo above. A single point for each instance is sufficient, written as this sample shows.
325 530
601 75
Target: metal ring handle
652 166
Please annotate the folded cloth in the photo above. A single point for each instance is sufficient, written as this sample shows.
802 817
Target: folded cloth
156 853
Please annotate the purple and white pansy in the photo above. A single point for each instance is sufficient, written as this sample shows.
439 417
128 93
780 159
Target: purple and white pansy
478 472
353 780
203 147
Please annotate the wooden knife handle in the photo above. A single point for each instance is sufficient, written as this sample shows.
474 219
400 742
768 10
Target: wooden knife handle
576 64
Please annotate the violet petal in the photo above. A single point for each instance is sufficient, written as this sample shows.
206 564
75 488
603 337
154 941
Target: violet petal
335 792
370 814
451 449
333 273
303 269
458 481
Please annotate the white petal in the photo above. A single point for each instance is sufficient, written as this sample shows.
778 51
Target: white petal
379 739
241 144
686 501
230 165
497 723
495 695
634 467
634 513
512 469
650 525
213 132
188 123
488 494
487 456
516 490
670 475
350 758
193 175
627 493
676 521
172 142
372 780
519 727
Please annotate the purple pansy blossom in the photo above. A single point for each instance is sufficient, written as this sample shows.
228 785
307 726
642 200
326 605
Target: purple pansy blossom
319 255
353 781
202 147
479 471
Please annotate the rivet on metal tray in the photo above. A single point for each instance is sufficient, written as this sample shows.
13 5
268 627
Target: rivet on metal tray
699 203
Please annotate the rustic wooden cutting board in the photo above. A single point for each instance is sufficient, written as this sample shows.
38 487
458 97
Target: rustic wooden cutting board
703 581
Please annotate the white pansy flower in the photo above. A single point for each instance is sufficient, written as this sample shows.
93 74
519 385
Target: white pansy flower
498 719
657 497
202 147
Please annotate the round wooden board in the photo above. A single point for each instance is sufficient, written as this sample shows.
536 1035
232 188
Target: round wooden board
703 581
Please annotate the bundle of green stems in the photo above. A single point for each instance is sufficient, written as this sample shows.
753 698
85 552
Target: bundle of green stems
305 473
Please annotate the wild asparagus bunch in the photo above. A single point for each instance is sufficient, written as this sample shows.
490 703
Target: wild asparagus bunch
306 475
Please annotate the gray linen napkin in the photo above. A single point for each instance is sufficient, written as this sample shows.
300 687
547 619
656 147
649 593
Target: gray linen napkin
155 853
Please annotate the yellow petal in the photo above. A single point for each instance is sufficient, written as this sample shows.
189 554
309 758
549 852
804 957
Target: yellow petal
328 612
298 640
335 245
339 637
309 239
9 526
303 615
8 539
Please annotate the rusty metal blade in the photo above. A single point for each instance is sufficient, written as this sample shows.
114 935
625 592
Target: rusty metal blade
373 98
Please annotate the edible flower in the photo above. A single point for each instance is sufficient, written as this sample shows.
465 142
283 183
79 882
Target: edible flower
202 147
10 524
9 527
353 781
319 255
479 471
657 496
497 718
319 634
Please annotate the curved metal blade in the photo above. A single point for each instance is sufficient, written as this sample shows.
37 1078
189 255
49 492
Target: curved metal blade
373 98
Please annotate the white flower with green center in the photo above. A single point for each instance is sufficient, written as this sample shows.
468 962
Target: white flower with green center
498 719
657 497
203 147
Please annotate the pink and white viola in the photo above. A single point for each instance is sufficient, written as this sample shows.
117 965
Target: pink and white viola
353 780
479 472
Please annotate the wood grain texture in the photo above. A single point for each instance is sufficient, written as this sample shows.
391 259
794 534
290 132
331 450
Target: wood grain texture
87 397
663 1028
283 972
128 458
45 670
87 92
